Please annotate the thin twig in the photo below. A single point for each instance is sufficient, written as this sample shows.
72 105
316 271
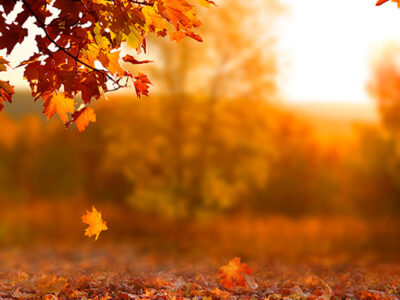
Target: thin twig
43 27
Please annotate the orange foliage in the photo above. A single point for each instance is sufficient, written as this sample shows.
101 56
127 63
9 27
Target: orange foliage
80 34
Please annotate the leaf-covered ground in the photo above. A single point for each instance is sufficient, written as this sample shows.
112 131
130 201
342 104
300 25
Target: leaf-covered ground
109 272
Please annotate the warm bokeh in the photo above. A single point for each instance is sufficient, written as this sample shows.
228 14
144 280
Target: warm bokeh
213 153
215 163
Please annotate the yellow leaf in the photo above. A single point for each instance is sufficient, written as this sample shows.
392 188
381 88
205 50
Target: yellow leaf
153 18
102 41
95 222
134 38
103 2
90 55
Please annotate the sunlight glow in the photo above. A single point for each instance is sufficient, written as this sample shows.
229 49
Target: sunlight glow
327 47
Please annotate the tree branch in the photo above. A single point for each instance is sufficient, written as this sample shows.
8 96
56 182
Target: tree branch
43 27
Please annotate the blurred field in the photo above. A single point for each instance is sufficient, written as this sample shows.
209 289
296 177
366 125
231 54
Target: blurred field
301 199
269 239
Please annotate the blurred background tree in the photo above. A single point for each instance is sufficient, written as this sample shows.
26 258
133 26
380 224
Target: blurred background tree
237 60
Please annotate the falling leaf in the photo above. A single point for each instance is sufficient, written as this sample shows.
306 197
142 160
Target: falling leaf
231 275
95 222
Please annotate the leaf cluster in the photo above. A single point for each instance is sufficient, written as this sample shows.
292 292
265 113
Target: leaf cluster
79 47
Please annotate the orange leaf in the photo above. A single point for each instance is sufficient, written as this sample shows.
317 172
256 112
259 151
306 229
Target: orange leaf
6 90
113 65
231 275
58 103
95 222
82 118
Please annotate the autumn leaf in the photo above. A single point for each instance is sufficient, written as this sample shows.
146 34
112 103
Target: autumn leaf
132 60
142 85
95 222
232 274
177 36
58 103
6 90
82 118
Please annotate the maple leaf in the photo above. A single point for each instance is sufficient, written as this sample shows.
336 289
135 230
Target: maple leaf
58 103
142 85
82 117
95 222
232 274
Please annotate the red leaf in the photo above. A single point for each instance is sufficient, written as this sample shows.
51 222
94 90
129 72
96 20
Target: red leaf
380 2
132 60
142 85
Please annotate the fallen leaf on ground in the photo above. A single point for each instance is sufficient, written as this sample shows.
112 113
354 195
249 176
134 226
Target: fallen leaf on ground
232 274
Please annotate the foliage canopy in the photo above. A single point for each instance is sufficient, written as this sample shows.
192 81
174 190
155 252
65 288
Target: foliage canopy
79 45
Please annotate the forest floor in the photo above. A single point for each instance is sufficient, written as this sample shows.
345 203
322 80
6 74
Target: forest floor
44 255
110 272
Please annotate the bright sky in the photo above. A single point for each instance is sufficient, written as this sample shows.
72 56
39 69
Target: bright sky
328 44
